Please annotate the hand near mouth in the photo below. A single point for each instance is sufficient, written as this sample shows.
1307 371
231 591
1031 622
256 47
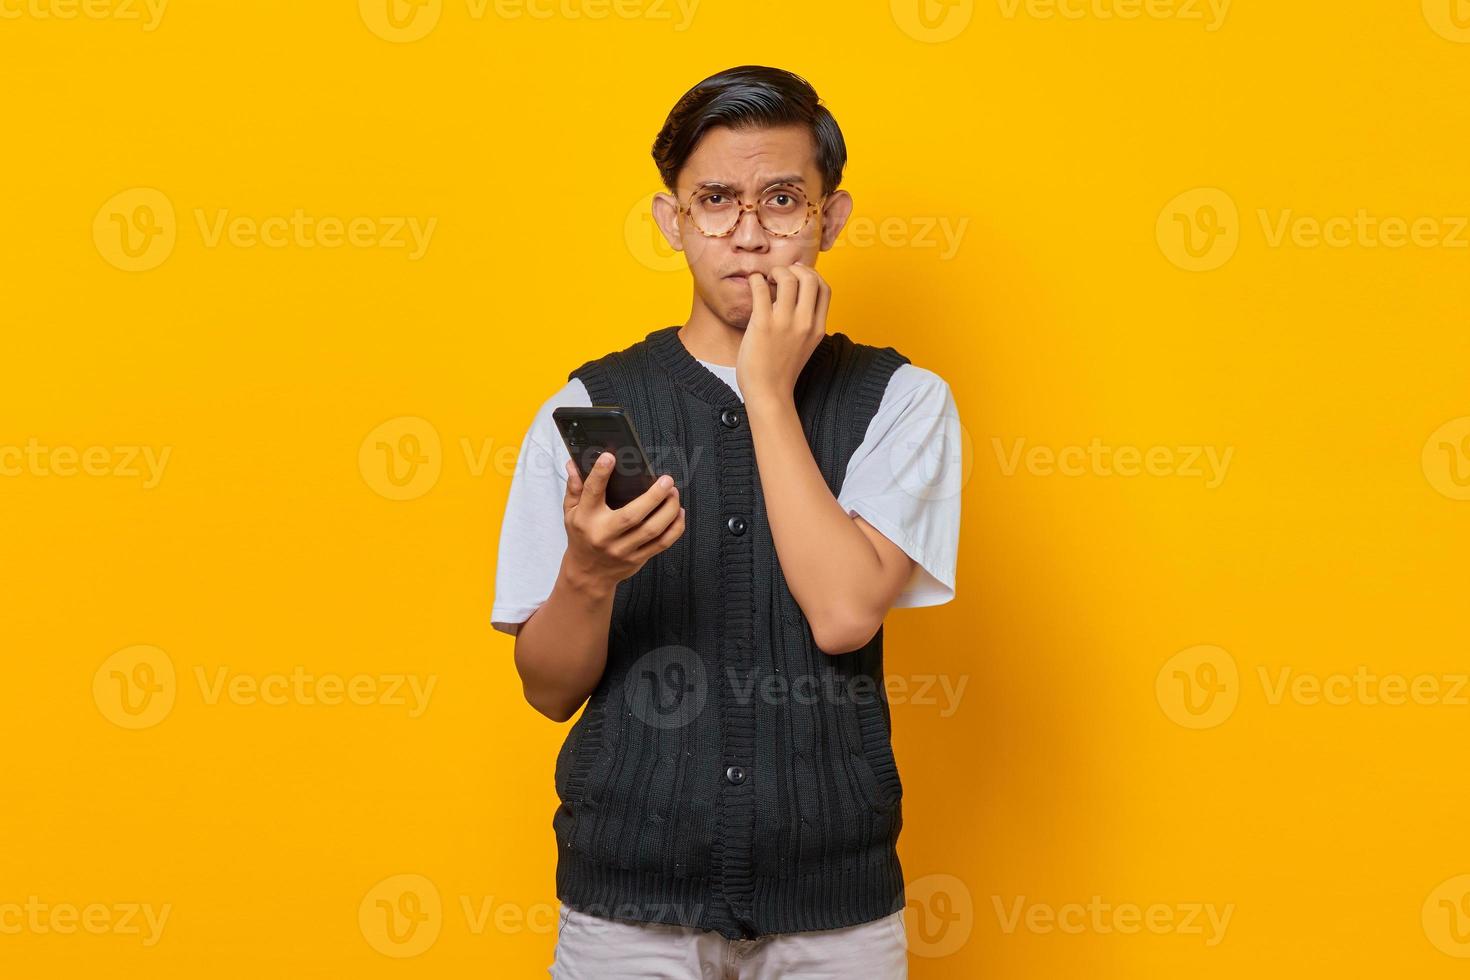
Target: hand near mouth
783 330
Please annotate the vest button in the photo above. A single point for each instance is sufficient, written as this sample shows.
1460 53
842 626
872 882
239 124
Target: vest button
730 417
736 775
736 525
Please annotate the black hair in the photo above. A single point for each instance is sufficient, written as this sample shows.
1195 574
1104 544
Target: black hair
749 96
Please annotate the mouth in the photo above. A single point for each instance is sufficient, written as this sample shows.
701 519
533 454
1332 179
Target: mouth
743 277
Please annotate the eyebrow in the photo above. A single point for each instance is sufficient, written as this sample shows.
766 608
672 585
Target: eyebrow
773 182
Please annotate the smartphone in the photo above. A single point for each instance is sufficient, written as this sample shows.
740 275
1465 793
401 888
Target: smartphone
590 432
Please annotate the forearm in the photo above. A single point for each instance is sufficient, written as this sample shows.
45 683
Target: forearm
830 566
561 650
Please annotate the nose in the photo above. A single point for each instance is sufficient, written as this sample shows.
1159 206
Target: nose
748 235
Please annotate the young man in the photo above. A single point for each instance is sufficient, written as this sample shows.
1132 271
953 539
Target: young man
730 802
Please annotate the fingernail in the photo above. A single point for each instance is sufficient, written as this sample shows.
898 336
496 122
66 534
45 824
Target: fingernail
666 481
605 460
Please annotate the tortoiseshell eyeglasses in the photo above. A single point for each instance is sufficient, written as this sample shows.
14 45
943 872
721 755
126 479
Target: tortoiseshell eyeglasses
782 210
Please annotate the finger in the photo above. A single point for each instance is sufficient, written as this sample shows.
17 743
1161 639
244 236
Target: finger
806 300
760 299
787 286
594 489
655 523
574 487
664 541
824 300
635 511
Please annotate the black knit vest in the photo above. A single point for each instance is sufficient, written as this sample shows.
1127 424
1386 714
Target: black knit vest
726 773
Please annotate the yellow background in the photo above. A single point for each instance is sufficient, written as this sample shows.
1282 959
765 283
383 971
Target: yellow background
1337 539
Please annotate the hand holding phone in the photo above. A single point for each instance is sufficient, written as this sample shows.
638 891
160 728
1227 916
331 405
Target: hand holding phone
607 544
589 432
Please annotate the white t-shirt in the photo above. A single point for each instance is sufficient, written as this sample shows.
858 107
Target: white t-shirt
904 479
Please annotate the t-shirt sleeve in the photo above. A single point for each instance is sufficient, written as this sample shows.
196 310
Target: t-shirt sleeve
533 537
905 480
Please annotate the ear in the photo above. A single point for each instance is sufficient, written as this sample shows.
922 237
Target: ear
666 216
834 217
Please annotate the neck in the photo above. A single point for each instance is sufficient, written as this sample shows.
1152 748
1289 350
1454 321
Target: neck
709 338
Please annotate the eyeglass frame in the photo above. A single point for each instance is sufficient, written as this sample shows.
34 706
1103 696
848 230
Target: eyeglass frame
812 208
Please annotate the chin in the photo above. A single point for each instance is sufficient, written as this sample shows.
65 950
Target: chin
737 317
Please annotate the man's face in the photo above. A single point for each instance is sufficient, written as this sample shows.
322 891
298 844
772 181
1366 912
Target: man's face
747 162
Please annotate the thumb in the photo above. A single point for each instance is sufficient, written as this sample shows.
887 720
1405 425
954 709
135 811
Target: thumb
595 488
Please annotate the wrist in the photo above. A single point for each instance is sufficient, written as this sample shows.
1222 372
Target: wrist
585 581
762 402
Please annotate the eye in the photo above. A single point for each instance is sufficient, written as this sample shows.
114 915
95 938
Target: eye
783 201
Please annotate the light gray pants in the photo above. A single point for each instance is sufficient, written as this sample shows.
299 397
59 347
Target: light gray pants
592 948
